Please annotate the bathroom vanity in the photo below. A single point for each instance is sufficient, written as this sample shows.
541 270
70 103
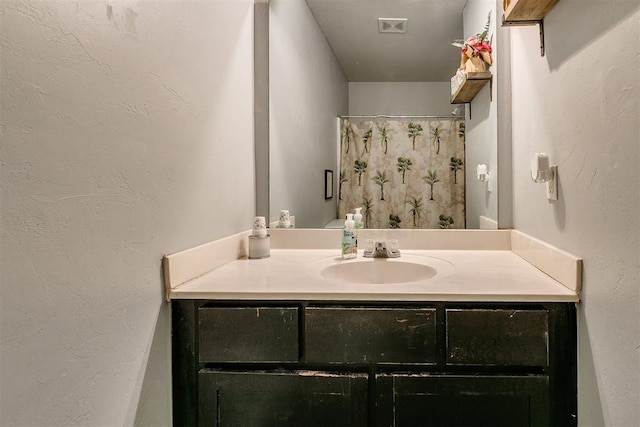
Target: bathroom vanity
339 363
489 340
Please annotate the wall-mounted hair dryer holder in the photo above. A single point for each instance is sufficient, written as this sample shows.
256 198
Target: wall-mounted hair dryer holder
484 175
543 172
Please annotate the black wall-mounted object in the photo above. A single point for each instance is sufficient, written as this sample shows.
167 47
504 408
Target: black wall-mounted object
328 184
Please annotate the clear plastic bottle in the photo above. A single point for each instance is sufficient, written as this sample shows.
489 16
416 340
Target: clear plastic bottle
357 219
349 238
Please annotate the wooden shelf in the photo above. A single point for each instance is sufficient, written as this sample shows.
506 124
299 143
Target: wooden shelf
528 10
471 86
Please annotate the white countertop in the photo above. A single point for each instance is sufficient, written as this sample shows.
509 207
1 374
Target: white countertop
472 275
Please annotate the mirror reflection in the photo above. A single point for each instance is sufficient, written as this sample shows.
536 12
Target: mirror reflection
369 99
418 161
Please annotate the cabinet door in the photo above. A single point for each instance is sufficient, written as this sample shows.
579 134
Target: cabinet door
431 400
266 399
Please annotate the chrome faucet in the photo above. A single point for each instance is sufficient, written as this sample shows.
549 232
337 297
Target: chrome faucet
379 249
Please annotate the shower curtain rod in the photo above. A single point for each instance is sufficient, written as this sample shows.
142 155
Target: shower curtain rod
384 116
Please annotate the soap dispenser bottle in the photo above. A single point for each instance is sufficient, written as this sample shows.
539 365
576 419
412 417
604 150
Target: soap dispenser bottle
357 219
348 238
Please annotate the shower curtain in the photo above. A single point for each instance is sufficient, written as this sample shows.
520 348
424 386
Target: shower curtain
403 173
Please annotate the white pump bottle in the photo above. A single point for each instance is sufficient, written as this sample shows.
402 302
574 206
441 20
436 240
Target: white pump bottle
349 239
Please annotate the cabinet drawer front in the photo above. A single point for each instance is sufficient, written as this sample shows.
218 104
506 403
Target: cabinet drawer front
497 337
248 334
370 335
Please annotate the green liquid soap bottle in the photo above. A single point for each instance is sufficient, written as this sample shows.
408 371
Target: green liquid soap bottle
348 238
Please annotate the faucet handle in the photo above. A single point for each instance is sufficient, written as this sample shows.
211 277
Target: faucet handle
370 246
394 250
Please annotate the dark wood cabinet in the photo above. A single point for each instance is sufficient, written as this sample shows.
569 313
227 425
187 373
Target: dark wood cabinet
308 363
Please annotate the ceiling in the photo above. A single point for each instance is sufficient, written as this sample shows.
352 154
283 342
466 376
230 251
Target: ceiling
423 54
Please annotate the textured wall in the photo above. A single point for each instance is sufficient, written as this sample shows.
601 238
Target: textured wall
401 98
121 121
307 91
580 103
482 127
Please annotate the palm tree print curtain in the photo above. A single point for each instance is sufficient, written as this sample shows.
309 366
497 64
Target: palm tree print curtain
403 173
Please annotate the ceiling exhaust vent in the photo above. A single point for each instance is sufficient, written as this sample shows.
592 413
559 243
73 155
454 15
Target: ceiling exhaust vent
392 25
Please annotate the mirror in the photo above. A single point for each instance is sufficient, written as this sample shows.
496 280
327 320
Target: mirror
390 79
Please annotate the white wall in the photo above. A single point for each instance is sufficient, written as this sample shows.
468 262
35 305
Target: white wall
482 125
580 104
307 91
126 135
400 98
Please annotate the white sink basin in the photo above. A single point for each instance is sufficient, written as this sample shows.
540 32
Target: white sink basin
407 268
378 271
